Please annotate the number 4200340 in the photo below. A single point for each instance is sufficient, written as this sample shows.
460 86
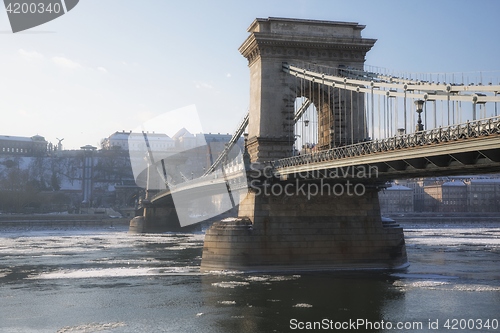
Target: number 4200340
477 324
32 8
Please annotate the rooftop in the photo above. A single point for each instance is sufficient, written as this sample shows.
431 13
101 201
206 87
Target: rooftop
396 187
22 138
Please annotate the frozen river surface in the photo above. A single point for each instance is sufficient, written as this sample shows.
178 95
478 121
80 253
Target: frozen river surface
104 280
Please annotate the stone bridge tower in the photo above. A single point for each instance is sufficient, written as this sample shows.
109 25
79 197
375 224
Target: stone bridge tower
290 229
272 42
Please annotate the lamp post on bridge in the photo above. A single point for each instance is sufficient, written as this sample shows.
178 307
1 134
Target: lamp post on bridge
420 104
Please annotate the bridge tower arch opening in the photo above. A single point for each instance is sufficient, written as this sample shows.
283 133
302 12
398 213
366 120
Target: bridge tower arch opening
275 41
333 117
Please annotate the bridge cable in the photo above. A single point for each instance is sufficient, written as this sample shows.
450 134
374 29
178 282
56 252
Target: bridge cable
405 111
396 110
234 139
314 129
309 135
352 120
380 129
330 127
442 114
316 114
151 161
366 129
340 117
385 117
434 104
345 114
226 182
295 141
373 114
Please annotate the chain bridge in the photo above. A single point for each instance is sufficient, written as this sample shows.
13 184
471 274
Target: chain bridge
324 133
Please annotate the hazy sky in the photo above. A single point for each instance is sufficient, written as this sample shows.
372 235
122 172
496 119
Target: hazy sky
110 65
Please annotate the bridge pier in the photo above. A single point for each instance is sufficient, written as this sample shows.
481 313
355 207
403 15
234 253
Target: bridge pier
155 219
303 232
291 228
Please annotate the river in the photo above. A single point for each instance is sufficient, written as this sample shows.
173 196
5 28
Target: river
105 280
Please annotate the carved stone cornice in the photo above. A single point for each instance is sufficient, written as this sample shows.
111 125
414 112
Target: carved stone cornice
289 44
249 49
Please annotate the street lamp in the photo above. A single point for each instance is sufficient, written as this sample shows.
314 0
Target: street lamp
420 104
332 137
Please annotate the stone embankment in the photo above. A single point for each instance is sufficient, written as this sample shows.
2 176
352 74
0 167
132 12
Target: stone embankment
445 218
61 220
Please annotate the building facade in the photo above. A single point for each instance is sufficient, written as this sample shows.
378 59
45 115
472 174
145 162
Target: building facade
135 141
396 199
448 194
483 195
454 196
24 146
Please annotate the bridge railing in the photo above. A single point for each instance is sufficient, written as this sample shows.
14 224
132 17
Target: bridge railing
474 129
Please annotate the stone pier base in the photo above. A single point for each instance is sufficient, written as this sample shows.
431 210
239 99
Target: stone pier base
297 233
155 219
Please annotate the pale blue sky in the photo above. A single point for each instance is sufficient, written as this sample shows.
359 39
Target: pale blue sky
110 65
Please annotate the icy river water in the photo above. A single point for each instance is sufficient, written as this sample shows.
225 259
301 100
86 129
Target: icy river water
105 280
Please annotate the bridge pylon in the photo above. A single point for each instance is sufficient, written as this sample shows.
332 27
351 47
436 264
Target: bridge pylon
305 221
274 41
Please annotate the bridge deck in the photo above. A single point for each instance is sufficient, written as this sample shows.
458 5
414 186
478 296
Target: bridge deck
475 144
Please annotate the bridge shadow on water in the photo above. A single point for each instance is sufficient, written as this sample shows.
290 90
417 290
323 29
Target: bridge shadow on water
280 303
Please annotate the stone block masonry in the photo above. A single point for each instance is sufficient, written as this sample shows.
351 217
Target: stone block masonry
294 233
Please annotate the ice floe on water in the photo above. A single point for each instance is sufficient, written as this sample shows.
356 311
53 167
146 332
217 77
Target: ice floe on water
445 286
427 284
428 281
247 279
93 327
115 272
476 287
454 236
423 276
230 284
4 272
302 305
272 278
441 282
141 261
